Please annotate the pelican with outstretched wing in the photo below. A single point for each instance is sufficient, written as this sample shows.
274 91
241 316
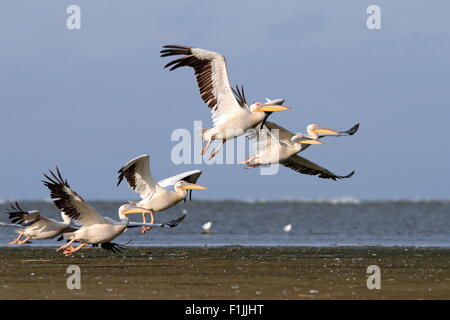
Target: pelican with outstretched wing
232 116
155 196
95 228
37 226
274 144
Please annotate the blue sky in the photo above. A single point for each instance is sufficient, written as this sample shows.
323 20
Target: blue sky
89 100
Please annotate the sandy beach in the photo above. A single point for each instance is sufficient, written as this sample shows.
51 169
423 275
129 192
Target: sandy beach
227 273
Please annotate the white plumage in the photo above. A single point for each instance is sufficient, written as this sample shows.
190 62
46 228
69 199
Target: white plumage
37 226
95 228
274 144
231 114
156 196
207 226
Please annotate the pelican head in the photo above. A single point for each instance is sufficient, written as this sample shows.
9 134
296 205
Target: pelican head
302 139
183 185
315 130
269 106
126 209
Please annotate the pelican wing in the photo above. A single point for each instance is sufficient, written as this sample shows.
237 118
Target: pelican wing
304 166
69 229
138 176
284 135
70 202
113 247
212 77
33 220
66 230
188 176
265 141
25 218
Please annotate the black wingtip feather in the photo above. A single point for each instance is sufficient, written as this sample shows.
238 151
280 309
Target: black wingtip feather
19 215
120 177
176 221
128 174
348 176
239 94
114 247
60 195
201 66
353 129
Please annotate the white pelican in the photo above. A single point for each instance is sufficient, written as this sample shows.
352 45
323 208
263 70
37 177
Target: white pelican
287 228
37 226
95 228
154 195
231 115
284 148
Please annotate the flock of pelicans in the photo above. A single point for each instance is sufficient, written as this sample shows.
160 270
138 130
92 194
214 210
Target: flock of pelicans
232 116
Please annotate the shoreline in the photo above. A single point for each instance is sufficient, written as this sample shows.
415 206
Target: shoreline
232 272
249 246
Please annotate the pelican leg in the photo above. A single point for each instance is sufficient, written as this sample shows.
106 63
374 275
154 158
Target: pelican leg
24 240
69 252
144 229
248 160
144 220
16 240
213 154
66 245
70 248
152 220
205 148
251 166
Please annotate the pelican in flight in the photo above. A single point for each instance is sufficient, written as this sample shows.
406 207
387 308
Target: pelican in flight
231 116
154 195
37 226
275 144
95 228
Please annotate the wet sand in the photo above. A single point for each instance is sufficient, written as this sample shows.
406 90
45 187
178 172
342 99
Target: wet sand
227 273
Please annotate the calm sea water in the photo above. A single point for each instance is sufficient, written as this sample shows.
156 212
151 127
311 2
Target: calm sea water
257 223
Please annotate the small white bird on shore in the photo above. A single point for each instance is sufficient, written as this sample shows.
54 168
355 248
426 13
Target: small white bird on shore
207 227
287 228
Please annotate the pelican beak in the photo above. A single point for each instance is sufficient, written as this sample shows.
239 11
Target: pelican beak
272 108
308 141
135 210
273 105
193 186
326 131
